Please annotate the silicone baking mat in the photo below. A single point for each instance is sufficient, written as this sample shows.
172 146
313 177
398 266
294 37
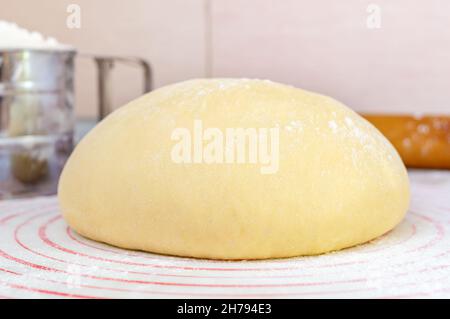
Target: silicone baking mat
40 257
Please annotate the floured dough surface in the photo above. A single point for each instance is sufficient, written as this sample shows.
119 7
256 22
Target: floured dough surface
338 182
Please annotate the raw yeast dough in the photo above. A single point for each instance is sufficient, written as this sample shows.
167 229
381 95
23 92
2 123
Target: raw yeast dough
234 169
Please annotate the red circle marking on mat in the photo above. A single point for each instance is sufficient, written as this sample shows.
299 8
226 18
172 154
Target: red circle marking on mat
9 217
241 295
437 226
206 294
254 295
47 292
14 215
160 283
9 271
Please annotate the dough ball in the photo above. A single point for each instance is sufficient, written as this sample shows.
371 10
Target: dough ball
167 174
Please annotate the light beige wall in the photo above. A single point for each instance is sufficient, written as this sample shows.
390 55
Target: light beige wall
326 46
322 45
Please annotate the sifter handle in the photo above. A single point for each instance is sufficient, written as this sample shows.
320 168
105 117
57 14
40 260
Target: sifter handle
105 65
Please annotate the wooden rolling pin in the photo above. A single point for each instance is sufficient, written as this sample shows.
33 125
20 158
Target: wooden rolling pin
422 142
